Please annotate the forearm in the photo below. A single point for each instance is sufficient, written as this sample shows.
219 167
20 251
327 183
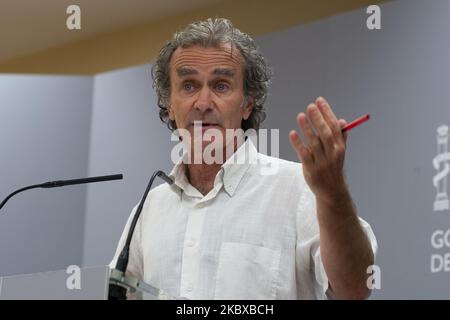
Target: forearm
345 249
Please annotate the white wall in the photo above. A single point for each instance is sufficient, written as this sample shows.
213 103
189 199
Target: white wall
127 137
44 135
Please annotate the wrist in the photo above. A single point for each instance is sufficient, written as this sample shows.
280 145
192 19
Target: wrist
336 197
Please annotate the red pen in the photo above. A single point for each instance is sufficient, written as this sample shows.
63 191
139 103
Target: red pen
355 123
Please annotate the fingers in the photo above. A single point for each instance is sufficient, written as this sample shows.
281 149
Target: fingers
328 114
322 128
314 143
342 124
302 151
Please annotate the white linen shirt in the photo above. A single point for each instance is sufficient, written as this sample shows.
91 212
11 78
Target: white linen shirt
253 236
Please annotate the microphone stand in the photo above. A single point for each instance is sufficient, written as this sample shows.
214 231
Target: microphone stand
61 183
119 282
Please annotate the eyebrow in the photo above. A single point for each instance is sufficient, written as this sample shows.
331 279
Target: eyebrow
182 72
224 72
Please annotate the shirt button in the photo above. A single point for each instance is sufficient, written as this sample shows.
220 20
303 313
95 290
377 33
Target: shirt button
190 243
200 205
189 287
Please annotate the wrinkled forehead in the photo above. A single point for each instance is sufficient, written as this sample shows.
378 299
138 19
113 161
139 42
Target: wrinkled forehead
224 56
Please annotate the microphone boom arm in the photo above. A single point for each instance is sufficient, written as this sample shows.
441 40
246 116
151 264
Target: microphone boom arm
61 183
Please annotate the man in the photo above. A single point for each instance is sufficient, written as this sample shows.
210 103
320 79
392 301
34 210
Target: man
226 230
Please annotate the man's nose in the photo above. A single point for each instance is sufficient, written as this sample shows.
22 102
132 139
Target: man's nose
204 101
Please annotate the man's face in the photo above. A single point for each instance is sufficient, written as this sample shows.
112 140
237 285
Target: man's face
207 86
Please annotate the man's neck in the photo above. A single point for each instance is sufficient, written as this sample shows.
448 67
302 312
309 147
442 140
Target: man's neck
201 176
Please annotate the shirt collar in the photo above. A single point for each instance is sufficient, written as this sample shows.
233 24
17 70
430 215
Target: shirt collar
230 174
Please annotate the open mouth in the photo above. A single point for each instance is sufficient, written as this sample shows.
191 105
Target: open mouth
205 125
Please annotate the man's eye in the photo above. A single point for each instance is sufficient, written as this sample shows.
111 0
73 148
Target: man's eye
221 87
188 86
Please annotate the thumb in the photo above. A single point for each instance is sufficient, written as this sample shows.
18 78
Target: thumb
342 124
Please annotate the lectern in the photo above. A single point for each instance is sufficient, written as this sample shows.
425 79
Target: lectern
53 285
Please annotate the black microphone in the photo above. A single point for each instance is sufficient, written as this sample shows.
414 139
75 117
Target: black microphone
61 183
117 291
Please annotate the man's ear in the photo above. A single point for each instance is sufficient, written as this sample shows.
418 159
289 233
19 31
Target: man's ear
248 108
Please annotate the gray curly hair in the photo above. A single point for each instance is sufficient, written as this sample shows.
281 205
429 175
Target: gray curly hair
214 33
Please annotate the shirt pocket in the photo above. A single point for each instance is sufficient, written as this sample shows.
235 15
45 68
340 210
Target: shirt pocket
247 272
